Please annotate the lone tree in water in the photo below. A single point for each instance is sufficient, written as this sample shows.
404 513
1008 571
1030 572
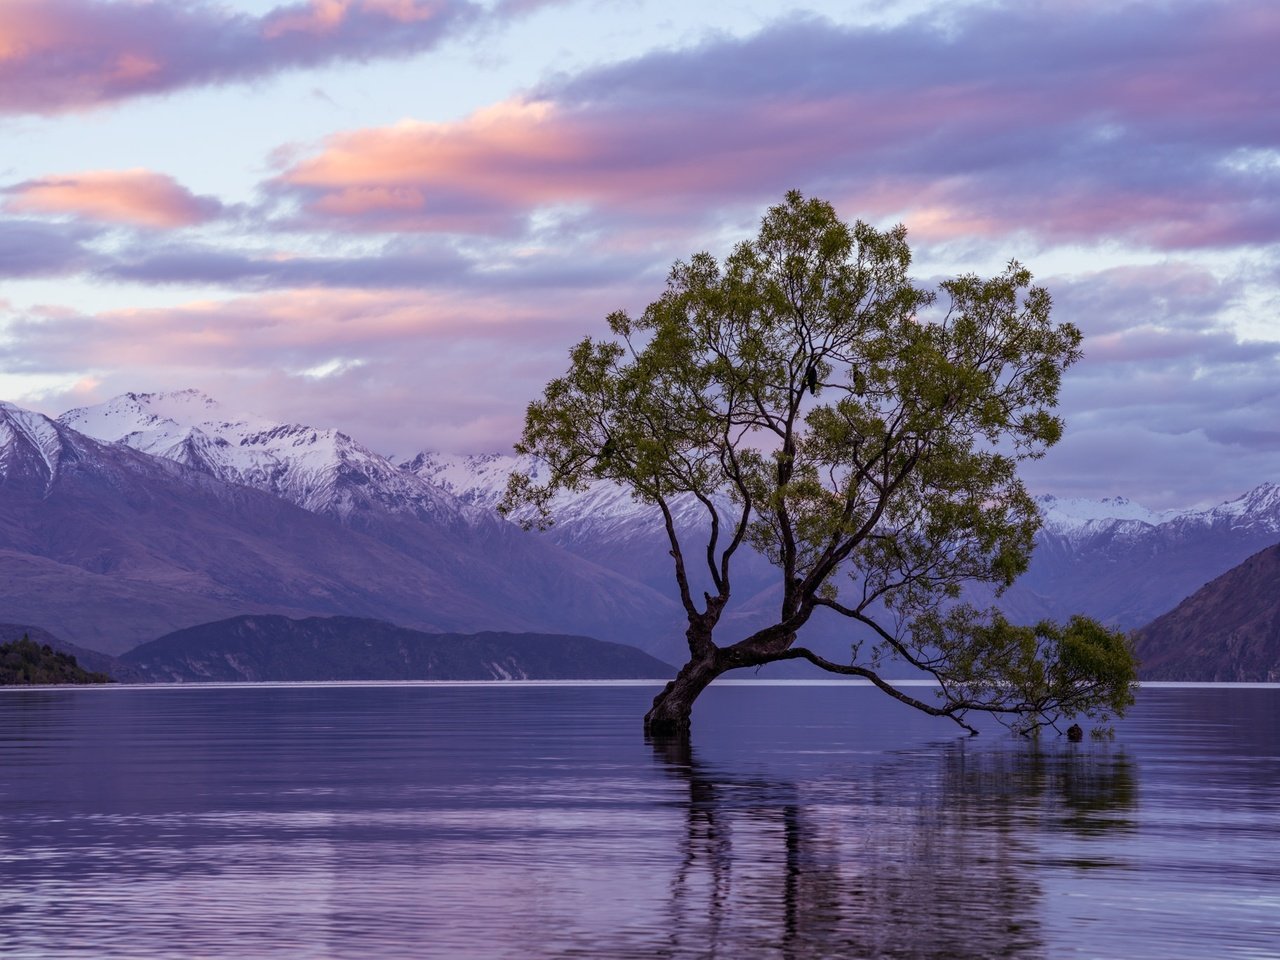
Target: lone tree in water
863 434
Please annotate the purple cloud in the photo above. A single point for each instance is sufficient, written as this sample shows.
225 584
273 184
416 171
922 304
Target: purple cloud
400 264
58 55
1154 124
1169 405
138 197
29 248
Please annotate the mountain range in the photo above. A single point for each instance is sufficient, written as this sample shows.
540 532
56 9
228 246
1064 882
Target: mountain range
1111 559
108 545
151 513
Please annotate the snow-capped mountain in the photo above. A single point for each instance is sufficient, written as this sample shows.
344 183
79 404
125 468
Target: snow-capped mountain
428 528
603 523
324 471
107 547
1077 515
1111 558
31 447
1079 518
1126 565
321 470
481 480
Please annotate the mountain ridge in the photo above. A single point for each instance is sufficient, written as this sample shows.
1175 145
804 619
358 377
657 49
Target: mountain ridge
277 648
108 547
603 569
1228 630
327 473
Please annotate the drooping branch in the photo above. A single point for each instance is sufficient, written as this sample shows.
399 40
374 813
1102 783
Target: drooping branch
849 670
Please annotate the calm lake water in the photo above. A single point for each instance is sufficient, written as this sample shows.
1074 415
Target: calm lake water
534 821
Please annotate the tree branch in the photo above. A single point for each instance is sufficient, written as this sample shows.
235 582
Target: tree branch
849 670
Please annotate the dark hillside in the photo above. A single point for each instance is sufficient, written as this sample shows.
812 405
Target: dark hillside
1228 630
263 647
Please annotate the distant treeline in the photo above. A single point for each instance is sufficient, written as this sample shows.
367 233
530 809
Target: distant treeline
27 662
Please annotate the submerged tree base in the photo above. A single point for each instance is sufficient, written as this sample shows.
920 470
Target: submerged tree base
672 709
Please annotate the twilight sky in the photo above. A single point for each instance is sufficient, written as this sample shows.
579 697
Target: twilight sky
395 216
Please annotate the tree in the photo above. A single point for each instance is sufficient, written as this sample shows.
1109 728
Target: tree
861 432
26 662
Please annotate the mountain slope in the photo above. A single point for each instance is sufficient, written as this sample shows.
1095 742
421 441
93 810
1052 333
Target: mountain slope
604 568
348 648
108 547
322 471
1111 558
1229 629
531 580
603 524
1121 564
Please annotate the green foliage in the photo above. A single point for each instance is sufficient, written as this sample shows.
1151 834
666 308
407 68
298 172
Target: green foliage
27 662
861 432
1032 675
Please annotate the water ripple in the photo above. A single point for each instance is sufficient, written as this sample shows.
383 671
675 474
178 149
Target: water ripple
534 821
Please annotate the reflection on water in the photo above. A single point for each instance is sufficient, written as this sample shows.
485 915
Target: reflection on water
528 821
920 857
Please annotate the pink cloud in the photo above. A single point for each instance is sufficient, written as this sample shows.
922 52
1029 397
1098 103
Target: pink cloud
1121 128
402 369
328 16
62 54
138 197
293 329
481 173
453 176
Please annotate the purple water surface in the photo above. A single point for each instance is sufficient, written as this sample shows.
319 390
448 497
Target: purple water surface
530 821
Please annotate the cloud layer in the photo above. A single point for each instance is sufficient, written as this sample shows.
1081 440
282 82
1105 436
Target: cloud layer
57 55
1154 125
138 197
417 282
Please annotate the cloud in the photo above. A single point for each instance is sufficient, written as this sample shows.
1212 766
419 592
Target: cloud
1176 295
1145 123
259 271
395 265
57 55
29 248
1169 406
443 363
136 197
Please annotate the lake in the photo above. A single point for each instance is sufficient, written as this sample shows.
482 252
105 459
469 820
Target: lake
513 820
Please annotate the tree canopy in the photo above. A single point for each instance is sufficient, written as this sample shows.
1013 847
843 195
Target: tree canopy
860 431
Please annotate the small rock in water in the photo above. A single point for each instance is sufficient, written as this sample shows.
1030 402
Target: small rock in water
1074 733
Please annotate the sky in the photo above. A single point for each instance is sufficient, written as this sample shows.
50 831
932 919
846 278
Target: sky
394 217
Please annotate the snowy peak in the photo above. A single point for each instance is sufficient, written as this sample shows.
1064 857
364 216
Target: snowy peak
479 479
1074 517
143 413
1069 511
604 510
1262 501
183 426
32 447
321 470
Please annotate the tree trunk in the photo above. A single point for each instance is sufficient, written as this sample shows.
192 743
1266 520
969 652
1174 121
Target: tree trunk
671 709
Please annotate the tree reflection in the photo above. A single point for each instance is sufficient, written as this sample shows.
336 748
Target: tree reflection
923 855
